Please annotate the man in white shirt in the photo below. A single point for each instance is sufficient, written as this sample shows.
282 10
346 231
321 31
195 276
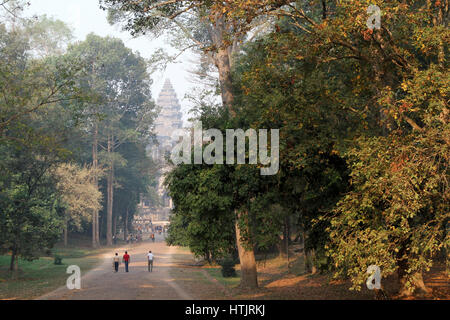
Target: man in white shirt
116 262
150 261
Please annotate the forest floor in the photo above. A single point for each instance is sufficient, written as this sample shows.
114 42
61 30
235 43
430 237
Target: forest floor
278 283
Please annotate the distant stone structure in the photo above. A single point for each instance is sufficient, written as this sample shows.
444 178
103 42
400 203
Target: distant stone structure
170 117
167 123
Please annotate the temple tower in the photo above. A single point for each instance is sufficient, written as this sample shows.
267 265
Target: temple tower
170 117
169 120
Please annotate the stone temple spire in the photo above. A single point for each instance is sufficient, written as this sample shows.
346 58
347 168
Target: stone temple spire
168 121
170 117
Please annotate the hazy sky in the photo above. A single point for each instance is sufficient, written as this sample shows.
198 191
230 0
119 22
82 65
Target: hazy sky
85 16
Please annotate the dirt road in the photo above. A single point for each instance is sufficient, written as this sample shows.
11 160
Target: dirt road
102 283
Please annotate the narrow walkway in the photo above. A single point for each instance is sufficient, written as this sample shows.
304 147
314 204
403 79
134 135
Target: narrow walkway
102 283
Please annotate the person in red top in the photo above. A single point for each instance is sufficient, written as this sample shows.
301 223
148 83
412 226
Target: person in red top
126 260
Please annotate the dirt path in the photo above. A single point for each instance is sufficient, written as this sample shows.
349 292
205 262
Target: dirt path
102 283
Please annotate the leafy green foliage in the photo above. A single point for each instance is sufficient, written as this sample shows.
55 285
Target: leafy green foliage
228 265
396 214
364 129
58 260
79 195
201 219
33 89
118 120
30 219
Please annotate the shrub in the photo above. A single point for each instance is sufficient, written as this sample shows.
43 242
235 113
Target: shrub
228 270
58 260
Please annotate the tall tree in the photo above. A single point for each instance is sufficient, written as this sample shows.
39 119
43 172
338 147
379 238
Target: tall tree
30 221
33 91
379 221
123 111
42 83
79 195
47 36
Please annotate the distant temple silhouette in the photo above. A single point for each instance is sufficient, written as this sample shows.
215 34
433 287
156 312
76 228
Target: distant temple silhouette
170 117
168 122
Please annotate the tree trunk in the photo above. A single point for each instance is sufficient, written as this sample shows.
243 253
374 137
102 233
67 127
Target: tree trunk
226 84
309 257
110 194
415 280
305 254
101 224
438 20
95 242
313 262
114 226
95 215
287 237
249 276
95 229
416 285
280 248
13 264
285 243
112 198
223 63
66 226
125 230
97 225
324 9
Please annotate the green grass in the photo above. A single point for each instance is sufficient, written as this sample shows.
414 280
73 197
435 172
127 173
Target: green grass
228 282
38 277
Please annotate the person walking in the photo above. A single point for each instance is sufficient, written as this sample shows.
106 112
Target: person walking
116 262
150 261
126 260
153 237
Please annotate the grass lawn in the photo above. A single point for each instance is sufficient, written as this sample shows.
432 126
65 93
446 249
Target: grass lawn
216 273
41 276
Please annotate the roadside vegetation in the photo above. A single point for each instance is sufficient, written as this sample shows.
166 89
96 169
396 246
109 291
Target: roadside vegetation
74 127
364 124
38 277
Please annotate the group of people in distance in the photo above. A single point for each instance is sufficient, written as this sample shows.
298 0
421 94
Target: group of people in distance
126 260
134 238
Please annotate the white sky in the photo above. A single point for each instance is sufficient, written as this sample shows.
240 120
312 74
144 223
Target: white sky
85 16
